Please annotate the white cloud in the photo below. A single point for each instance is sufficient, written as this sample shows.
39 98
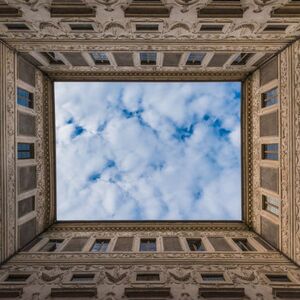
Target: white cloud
128 161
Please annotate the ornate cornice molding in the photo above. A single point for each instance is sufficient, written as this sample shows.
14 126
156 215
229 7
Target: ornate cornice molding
150 75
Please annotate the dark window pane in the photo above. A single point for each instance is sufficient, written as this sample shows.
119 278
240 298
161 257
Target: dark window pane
269 98
242 59
244 245
212 277
51 246
24 98
82 277
17 277
147 277
195 245
25 151
84 27
31 244
148 245
278 278
100 246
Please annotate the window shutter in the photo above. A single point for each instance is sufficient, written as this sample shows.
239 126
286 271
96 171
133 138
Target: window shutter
124 244
220 244
172 244
76 244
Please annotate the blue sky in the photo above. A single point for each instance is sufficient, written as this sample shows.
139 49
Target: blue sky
148 151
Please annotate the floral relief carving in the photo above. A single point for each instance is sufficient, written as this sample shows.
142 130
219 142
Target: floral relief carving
296 107
285 99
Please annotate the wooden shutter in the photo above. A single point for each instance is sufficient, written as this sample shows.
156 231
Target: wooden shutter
172 244
220 244
124 244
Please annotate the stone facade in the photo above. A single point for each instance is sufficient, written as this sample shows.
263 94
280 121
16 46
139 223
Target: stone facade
253 42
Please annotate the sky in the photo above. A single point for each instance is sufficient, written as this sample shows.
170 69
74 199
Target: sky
148 151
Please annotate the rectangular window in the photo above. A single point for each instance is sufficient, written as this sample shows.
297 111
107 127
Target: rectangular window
212 277
82 27
147 277
124 244
195 58
51 246
219 244
26 206
53 58
100 246
146 27
25 150
82 277
242 59
211 27
195 245
269 98
76 244
278 277
263 243
148 58
244 245
16 26
100 58
270 151
17 277
24 98
171 244
271 204
148 245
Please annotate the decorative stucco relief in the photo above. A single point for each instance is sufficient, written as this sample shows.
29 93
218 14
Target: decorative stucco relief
255 151
285 150
296 170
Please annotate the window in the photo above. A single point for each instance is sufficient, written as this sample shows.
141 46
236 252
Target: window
17 277
148 58
276 27
278 277
124 244
24 98
195 58
76 244
244 245
82 277
211 27
146 27
25 151
100 246
17 26
81 27
219 244
195 245
26 206
53 58
271 204
265 244
242 59
269 98
100 58
147 277
171 244
52 245
270 151
148 245
212 277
